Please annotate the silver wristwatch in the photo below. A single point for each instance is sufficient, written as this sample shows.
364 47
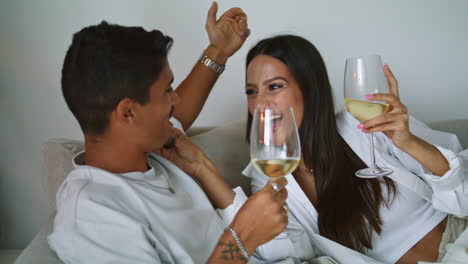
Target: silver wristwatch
216 67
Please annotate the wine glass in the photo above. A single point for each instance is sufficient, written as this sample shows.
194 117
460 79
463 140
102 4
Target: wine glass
275 149
364 75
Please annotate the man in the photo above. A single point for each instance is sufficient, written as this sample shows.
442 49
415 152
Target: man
125 204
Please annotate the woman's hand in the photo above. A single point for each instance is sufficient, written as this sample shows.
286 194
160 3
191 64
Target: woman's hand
186 155
227 34
395 122
191 159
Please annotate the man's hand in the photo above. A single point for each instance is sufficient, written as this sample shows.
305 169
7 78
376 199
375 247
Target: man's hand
227 34
263 216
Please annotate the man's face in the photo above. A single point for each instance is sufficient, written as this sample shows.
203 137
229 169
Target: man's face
153 127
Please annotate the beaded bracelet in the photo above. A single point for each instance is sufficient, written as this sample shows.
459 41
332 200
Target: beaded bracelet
239 243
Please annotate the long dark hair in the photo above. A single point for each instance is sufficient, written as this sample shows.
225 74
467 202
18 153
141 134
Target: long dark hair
348 207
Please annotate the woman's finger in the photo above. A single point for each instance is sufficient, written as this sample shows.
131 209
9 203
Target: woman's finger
392 126
395 105
383 97
383 119
392 81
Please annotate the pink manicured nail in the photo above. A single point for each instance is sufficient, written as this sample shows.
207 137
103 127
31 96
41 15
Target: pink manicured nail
360 126
369 96
364 130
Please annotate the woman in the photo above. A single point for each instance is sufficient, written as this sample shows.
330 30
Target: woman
398 219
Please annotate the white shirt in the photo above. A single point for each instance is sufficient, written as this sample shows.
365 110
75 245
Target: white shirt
134 217
157 216
423 199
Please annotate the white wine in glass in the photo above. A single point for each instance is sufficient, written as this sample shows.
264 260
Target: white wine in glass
276 167
275 149
365 110
363 76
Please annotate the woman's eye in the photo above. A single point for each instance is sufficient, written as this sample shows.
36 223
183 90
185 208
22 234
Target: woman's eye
275 86
250 92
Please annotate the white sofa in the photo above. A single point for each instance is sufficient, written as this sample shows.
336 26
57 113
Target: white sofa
225 145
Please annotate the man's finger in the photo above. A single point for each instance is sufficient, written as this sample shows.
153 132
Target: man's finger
246 33
211 17
281 196
234 12
277 184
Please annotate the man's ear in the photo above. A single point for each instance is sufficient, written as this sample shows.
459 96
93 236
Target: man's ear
125 111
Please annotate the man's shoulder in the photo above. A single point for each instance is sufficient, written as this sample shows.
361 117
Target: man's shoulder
88 184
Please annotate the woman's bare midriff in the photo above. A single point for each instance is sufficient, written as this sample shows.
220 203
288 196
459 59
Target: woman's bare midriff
427 249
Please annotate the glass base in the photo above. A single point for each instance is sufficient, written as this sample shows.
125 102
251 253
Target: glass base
375 172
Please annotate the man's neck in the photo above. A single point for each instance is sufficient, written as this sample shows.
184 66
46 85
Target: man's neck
114 156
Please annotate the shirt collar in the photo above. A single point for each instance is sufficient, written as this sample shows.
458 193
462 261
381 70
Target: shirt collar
156 176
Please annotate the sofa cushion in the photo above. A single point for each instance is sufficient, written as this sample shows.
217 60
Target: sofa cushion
8 256
38 250
56 163
458 127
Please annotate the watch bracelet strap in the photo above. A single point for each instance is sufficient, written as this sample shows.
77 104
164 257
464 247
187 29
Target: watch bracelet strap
239 242
211 64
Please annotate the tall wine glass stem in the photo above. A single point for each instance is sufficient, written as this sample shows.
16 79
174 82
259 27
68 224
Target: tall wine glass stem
371 140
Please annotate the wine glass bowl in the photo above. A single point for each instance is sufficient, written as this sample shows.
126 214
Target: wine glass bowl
364 76
274 141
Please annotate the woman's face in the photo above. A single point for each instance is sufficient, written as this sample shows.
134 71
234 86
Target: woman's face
269 83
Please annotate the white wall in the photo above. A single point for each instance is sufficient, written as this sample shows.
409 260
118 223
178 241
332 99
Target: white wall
424 41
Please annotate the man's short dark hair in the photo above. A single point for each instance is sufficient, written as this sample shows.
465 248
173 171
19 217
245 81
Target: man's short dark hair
107 63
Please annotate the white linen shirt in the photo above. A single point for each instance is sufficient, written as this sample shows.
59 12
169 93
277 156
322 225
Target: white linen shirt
134 217
422 201
158 216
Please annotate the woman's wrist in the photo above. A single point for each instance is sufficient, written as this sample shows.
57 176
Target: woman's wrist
206 170
407 145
